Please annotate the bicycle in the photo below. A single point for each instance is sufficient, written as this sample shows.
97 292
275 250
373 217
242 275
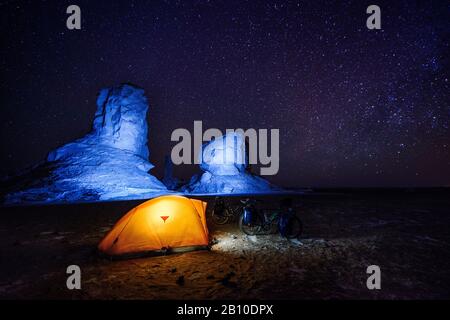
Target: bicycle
224 212
263 222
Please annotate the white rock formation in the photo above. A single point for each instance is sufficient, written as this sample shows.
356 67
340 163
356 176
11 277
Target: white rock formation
109 163
224 162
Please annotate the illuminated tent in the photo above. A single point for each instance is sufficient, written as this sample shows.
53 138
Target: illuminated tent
167 223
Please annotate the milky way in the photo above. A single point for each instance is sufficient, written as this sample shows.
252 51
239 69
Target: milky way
355 107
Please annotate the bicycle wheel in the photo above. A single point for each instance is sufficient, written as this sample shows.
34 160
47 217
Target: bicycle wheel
252 228
234 213
294 228
220 218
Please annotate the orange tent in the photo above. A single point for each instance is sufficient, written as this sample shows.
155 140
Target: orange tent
165 223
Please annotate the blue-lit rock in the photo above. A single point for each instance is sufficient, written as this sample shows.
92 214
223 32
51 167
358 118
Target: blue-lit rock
169 180
224 162
109 163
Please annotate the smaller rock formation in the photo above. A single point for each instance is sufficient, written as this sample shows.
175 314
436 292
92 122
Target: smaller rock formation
224 162
169 180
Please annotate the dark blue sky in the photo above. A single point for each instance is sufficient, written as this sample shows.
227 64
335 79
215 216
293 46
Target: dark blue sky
355 107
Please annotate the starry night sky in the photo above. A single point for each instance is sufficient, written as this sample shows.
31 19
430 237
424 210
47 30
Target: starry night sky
355 107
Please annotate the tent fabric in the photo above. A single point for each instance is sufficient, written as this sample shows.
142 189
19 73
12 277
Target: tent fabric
159 224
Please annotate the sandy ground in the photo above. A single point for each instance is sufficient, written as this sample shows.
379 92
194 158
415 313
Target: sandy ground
407 235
